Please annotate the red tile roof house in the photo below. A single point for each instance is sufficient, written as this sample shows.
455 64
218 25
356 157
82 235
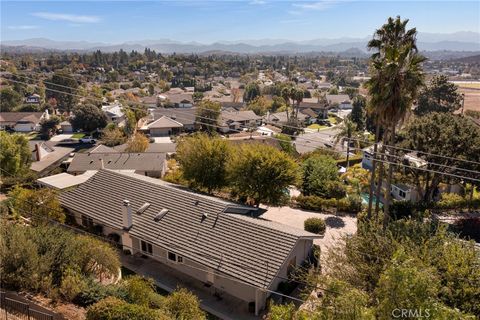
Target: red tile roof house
202 238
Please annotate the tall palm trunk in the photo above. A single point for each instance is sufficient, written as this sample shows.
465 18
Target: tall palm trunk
348 152
372 176
390 157
381 173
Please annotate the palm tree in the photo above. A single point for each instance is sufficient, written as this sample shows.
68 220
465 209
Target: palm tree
348 130
396 76
297 96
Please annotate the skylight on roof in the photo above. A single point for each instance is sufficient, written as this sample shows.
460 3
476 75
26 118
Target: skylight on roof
143 208
160 215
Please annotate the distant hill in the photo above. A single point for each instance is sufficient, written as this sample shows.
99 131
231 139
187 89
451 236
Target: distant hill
469 59
457 42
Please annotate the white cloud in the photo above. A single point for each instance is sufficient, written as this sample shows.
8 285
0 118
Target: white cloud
317 5
23 27
258 2
75 18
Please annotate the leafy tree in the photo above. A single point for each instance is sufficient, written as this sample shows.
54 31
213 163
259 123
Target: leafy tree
261 173
41 204
88 118
277 103
449 136
63 88
358 114
49 126
348 132
203 161
439 96
351 91
52 259
197 96
406 283
15 155
285 142
396 77
137 143
113 137
112 308
182 304
260 105
28 108
208 114
9 99
317 173
130 121
151 89
252 91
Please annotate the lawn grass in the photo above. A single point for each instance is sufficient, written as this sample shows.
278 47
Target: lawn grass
333 119
317 126
78 135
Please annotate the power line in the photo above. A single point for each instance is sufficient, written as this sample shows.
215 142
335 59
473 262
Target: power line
318 147
284 125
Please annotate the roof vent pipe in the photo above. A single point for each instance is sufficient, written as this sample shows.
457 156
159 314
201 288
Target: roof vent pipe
127 215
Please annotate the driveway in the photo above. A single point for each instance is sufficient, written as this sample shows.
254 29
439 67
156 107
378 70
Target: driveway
162 139
337 226
60 137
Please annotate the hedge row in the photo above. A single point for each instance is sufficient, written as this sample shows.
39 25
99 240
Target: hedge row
315 203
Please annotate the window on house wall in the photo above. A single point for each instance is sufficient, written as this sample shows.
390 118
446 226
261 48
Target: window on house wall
402 194
179 259
172 256
146 247
87 222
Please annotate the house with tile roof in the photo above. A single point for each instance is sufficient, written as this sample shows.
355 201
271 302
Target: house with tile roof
202 237
146 163
163 127
22 121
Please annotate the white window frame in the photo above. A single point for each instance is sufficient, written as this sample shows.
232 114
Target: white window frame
147 247
178 258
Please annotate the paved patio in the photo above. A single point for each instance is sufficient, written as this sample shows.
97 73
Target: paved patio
337 226
226 307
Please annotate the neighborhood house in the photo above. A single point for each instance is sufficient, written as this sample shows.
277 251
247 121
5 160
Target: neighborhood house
22 121
202 237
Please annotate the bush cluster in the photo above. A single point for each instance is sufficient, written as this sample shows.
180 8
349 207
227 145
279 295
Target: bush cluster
455 201
315 225
315 203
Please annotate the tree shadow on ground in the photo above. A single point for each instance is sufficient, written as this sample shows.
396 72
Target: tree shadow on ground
334 222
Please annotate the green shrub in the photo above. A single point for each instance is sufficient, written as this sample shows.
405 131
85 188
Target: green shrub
182 304
349 205
335 189
315 225
72 284
451 201
112 308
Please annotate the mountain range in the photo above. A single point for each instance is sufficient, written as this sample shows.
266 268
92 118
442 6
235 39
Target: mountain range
460 41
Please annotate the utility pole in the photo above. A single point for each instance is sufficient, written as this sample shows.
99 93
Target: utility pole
463 102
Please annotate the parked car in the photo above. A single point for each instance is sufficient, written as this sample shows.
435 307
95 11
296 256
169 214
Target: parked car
67 141
87 140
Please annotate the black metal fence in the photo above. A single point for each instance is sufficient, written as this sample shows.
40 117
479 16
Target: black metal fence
14 309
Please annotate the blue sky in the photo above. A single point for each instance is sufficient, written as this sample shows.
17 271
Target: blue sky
210 21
